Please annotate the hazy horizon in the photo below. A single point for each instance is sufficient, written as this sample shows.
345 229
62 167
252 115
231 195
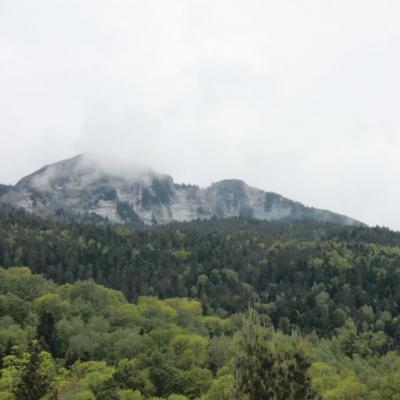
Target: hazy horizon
297 98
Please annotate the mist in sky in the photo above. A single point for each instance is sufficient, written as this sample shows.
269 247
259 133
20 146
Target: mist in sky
297 97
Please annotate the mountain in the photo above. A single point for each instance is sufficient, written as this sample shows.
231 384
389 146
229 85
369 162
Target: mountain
83 185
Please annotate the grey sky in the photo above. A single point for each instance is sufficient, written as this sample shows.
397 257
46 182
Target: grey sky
297 97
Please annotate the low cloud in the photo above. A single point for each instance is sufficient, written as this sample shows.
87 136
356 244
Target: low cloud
297 98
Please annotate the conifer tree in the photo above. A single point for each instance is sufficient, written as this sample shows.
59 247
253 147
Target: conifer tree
299 380
263 373
46 333
33 385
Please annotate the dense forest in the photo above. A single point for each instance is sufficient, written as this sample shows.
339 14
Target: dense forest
83 341
183 311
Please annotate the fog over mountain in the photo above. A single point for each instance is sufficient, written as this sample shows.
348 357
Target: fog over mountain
300 98
89 186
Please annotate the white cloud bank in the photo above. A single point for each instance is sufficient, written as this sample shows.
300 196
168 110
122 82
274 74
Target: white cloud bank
297 97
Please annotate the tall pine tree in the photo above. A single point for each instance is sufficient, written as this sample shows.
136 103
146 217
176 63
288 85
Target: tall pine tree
46 333
263 373
33 384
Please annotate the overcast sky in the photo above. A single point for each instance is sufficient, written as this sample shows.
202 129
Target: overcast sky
297 97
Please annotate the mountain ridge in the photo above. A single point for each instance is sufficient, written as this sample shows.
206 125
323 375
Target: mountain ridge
84 184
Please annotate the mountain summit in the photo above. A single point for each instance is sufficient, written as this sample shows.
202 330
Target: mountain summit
84 185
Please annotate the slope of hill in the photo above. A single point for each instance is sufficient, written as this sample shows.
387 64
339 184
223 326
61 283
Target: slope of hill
303 275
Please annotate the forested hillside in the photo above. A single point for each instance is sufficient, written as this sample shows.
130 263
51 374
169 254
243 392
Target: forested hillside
328 297
83 341
312 277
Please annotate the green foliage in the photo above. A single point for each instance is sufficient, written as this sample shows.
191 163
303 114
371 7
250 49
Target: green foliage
35 374
46 333
222 388
131 374
329 296
262 372
167 348
307 276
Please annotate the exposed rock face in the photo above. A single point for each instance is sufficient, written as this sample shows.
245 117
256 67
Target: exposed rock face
83 185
